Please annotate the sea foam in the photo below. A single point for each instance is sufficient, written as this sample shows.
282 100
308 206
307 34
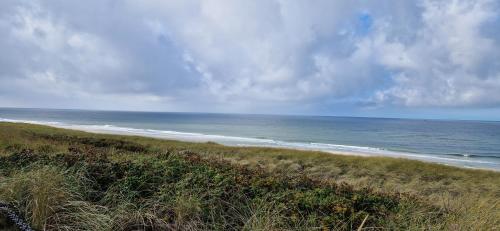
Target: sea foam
462 160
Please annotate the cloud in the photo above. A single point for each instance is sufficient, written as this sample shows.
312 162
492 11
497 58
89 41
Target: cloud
249 56
54 55
450 62
258 50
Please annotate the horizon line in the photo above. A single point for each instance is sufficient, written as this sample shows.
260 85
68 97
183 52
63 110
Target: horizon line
256 114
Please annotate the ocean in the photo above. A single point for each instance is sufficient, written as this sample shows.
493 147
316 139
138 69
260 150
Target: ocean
470 144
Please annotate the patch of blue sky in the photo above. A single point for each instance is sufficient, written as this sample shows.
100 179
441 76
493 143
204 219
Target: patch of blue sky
364 23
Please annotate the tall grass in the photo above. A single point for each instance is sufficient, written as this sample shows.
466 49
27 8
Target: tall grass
68 180
40 193
50 200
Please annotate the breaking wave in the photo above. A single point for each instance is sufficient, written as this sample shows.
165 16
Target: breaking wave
464 160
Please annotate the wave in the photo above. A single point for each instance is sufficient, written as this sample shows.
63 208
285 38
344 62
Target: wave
464 160
29 121
468 155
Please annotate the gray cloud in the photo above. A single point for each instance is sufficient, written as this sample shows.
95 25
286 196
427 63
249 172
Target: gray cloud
450 62
258 56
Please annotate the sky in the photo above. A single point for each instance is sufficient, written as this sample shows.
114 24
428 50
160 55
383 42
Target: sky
416 59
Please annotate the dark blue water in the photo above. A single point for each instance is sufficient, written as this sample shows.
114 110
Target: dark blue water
462 143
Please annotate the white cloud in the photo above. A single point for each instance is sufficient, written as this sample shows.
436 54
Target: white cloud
252 55
253 50
449 63
60 56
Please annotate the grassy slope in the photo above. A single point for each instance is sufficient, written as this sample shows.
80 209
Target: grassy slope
61 179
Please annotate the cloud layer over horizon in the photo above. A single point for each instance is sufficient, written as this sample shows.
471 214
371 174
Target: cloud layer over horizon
262 56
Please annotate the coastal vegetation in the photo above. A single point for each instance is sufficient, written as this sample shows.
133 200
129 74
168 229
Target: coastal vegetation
61 179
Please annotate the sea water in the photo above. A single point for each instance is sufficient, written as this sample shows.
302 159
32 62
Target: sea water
472 144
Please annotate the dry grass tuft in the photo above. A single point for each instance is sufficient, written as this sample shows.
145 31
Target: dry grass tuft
38 193
69 180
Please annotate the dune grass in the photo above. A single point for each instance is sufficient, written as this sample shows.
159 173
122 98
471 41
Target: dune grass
69 180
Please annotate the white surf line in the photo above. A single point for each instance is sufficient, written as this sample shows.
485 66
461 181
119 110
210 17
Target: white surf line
236 141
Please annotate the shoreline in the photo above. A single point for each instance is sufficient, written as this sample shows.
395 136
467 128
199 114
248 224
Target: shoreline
346 153
194 140
251 142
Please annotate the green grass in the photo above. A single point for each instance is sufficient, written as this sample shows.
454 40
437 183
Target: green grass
69 180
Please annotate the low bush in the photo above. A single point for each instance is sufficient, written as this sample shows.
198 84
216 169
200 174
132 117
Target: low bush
67 180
